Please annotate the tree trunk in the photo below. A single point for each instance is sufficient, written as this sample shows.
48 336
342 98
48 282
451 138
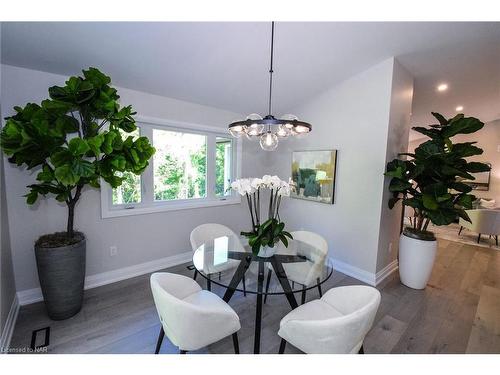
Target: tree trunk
71 211
71 217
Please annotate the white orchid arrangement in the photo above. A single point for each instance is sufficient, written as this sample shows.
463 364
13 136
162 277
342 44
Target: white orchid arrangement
271 231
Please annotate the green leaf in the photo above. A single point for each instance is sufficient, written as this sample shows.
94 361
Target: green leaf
442 216
114 181
461 187
66 176
428 149
119 162
466 149
95 77
464 125
392 202
78 146
284 240
429 202
397 185
476 167
67 124
83 168
61 157
31 197
107 145
95 143
432 133
442 120
465 201
46 175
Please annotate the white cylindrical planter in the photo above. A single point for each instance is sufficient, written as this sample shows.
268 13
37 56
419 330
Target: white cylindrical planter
416 258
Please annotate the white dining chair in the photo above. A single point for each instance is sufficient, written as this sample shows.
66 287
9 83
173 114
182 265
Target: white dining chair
191 318
336 324
315 248
208 232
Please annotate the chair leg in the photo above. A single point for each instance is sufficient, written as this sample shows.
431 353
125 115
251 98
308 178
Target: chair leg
478 237
182 351
460 230
195 274
269 273
209 283
282 346
244 286
303 295
219 275
496 239
361 350
160 340
319 288
236 344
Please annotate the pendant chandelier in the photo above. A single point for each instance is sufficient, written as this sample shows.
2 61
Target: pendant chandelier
269 129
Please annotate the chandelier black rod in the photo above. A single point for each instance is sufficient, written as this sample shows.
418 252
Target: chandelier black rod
271 69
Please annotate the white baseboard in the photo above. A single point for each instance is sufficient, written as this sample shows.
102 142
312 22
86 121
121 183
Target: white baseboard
386 271
365 276
10 323
29 296
357 273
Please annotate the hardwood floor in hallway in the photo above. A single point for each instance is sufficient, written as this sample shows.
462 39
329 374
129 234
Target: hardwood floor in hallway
458 312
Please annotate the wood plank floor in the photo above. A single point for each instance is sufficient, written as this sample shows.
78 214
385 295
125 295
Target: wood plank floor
459 312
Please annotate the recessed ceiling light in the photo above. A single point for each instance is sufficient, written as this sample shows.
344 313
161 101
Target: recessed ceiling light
442 87
459 108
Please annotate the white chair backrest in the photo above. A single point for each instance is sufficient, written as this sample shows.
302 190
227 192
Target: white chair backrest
317 252
169 290
484 221
344 334
210 231
314 240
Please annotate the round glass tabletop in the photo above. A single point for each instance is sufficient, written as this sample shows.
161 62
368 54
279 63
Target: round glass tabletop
228 262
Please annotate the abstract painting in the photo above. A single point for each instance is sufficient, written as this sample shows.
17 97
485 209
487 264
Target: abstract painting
313 175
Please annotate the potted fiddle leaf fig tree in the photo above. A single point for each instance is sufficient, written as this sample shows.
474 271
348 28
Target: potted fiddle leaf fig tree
74 139
429 180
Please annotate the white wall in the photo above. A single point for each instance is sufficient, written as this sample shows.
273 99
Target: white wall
7 285
353 118
360 117
140 238
397 142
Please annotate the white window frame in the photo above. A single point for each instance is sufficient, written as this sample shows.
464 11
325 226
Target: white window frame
148 204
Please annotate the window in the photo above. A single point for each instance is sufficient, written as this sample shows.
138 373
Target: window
180 165
223 167
193 167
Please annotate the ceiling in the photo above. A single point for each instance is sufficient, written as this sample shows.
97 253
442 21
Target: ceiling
225 65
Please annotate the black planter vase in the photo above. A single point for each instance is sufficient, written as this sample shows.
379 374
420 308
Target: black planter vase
61 271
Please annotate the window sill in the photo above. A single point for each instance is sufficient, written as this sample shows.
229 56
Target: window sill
168 206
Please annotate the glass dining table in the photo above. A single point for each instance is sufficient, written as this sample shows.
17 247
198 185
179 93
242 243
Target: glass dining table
225 262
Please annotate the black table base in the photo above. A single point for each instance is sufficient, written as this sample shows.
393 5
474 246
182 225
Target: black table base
276 262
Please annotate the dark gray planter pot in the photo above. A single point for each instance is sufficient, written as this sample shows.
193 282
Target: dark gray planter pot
61 271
